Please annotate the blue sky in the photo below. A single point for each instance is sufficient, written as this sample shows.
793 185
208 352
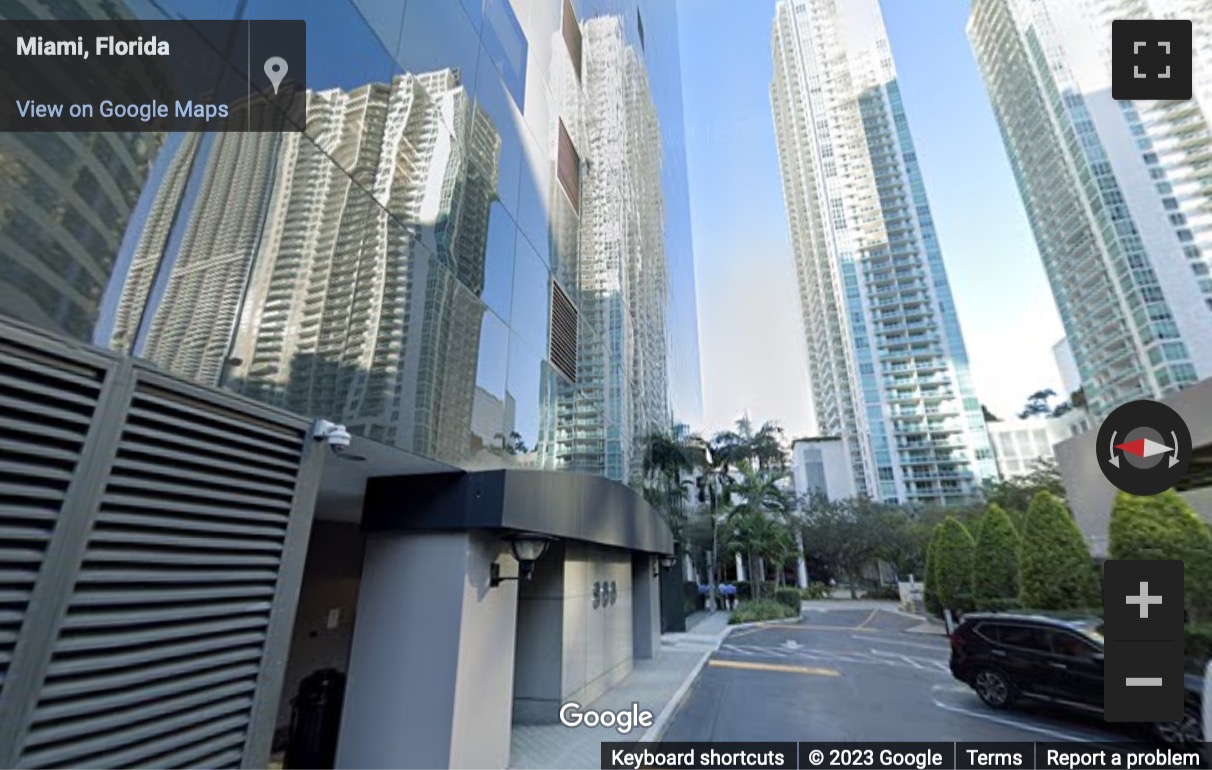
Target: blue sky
751 335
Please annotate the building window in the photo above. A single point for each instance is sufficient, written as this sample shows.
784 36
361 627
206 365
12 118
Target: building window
568 168
572 37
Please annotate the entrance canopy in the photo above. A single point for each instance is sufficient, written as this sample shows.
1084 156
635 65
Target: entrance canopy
571 506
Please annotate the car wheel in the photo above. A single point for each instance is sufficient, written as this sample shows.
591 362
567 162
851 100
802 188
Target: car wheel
1188 731
994 688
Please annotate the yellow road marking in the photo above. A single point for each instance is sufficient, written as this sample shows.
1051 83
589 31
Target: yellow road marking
747 631
773 667
867 619
833 628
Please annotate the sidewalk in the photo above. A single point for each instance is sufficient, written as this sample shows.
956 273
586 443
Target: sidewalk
656 685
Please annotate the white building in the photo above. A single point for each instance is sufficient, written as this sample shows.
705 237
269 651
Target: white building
822 465
1117 193
1020 445
888 367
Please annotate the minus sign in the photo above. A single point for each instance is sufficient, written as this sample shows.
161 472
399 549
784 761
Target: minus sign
1144 681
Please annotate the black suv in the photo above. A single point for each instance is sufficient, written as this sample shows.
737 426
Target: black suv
1007 656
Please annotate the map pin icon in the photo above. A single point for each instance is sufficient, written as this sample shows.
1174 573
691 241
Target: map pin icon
275 70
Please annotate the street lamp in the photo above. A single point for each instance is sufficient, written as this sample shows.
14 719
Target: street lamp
527 548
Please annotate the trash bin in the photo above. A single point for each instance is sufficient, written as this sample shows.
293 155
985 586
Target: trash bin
315 719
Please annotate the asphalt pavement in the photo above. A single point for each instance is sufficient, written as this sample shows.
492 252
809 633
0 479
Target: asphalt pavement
854 674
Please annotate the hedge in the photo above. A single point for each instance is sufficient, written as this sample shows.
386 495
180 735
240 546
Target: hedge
995 566
1054 561
789 597
954 550
930 585
1165 527
765 609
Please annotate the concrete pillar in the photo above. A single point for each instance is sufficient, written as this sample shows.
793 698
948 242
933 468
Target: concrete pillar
645 607
430 669
801 566
740 568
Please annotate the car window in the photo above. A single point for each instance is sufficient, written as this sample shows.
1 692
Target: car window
1026 637
1070 645
987 630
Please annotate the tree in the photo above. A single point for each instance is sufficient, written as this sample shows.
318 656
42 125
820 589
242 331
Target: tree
953 549
1054 562
1014 495
847 534
758 504
1165 527
666 470
1037 404
995 567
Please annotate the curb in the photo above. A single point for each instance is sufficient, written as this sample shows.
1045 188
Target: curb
760 623
654 733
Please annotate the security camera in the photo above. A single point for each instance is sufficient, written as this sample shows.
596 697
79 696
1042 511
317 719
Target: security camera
337 437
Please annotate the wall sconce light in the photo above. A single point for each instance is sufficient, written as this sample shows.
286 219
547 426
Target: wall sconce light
527 548
665 562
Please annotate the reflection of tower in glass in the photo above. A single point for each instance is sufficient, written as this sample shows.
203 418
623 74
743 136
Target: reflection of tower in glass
622 388
65 202
344 262
356 313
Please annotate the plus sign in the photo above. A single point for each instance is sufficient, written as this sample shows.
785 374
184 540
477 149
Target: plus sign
1144 600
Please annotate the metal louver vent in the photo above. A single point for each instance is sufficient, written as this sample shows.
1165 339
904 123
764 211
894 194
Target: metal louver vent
572 37
562 349
157 658
568 168
46 408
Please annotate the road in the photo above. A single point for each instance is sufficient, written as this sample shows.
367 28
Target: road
853 675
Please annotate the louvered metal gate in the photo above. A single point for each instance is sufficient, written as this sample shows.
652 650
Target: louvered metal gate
152 539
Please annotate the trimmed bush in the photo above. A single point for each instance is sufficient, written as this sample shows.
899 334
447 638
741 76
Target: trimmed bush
1054 562
998 604
884 593
1165 527
995 565
744 591
954 550
756 611
815 591
789 597
930 585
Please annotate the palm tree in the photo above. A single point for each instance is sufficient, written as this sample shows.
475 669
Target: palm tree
758 495
667 466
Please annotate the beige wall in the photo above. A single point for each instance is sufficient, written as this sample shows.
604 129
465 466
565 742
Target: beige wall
330 582
568 650
597 642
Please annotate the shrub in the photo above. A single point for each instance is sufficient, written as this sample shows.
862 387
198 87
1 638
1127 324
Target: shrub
789 597
1054 562
883 592
1165 527
744 591
930 585
954 550
764 609
998 604
815 591
995 564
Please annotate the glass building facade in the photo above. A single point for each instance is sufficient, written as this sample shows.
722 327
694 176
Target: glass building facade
888 368
478 249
